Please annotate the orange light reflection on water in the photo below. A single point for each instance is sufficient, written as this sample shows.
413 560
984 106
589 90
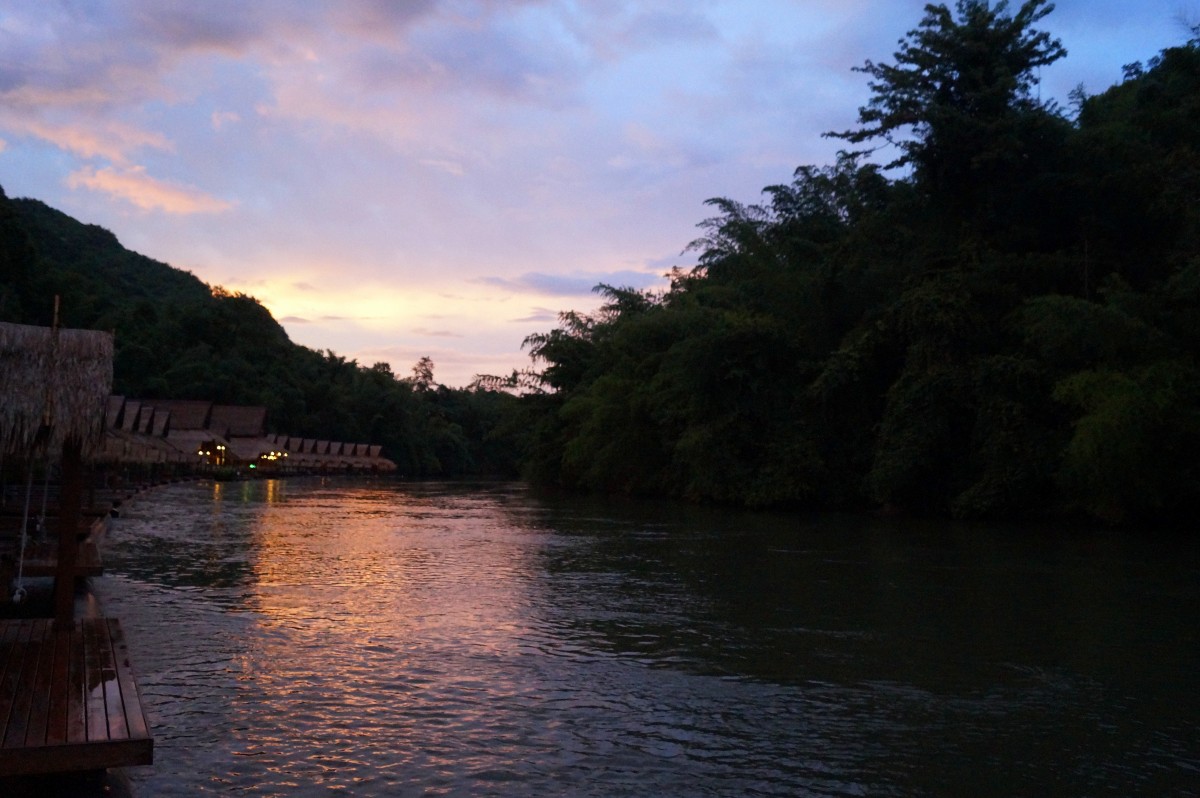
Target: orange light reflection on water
355 582
391 605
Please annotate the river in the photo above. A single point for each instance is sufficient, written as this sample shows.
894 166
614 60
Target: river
314 638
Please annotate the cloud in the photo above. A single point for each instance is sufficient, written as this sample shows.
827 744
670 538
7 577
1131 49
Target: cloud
135 186
656 28
228 26
220 119
573 284
436 333
111 140
450 167
326 319
538 316
664 265
379 19
451 164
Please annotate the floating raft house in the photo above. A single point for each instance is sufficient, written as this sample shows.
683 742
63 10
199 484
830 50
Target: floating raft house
68 699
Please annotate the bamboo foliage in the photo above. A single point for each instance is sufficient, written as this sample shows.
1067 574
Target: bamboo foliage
53 382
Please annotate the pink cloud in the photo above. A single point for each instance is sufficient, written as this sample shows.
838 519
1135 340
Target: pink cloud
112 141
221 119
135 186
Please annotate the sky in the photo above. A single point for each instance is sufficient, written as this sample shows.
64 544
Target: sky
441 178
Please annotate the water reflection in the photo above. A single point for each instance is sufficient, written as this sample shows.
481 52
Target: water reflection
300 637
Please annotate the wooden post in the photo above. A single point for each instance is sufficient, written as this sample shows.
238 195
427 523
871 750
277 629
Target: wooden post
68 531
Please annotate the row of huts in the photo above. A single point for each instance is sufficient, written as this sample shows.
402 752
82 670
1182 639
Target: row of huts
205 434
58 415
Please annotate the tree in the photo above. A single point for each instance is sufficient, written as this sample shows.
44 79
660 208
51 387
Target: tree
958 102
422 374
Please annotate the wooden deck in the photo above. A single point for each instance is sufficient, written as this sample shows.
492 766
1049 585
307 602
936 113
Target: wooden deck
68 700
41 559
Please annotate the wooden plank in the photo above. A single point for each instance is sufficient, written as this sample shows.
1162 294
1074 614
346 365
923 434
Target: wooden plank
16 640
18 716
56 719
135 712
76 689
73 758
104 678
73 703
111 687
43 687
97 717
7 634
9 659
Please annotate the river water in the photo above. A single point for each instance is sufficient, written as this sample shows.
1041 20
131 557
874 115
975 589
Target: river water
314 638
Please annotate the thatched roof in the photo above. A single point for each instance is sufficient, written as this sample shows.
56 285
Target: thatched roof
188 441
63 377
145 420
186 413
113 413
249 449
239 420
161 423
129 421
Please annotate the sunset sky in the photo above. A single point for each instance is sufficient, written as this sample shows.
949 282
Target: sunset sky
442 177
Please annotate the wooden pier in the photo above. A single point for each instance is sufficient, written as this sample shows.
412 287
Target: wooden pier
41 559
68 700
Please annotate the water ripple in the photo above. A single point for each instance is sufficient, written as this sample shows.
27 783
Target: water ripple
318 638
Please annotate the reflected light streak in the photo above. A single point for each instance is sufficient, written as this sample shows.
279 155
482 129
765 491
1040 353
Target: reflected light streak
351 570
380 601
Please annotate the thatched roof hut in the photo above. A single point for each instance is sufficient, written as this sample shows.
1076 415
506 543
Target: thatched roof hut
186 414
112 415
133 409
161 423
145 420
62 378
248 450
238 420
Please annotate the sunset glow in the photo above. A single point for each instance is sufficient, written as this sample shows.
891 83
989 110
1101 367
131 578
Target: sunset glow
395 180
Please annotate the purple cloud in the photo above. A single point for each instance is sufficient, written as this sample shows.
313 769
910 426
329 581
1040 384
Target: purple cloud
573 284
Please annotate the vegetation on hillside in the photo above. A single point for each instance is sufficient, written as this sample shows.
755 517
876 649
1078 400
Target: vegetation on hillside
178 338
988 307
1009 328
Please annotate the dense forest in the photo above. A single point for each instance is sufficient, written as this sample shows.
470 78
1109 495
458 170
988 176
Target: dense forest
178 338
989 306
